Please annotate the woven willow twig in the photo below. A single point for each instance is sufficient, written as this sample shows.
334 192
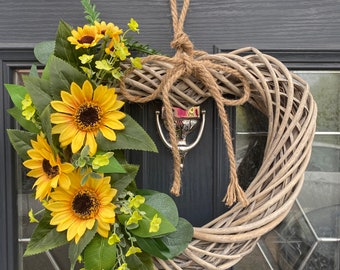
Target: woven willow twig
287 102
188 79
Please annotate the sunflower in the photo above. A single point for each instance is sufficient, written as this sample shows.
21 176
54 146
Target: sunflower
47 167
79 207
83 113
109 29
85 37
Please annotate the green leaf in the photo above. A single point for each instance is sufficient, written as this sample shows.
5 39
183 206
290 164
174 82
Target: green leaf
121 180
90 10
178 241
154 246
21 141
44 50
46 124
161 202
45 237
144 225
170 245
17 94
63 48
99 254
113 167
133 137
62 75
26 124
38 90
34 71
140 261
76 249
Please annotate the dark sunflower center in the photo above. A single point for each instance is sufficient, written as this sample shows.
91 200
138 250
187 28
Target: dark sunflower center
85 204
88 117
49 170
86 39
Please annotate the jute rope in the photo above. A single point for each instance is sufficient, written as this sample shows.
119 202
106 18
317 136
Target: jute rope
187 62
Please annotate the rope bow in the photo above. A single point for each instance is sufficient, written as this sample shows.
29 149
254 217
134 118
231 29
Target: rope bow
186 63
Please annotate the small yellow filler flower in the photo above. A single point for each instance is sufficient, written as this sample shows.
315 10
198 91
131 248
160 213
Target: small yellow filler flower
154 224
133 250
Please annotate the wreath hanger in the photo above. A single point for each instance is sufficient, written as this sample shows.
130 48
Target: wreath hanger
188 65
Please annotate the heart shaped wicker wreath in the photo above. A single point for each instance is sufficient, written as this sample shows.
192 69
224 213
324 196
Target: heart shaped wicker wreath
246 75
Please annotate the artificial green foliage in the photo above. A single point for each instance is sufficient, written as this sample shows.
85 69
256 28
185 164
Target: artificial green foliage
45 237
75 250
92 14
21 141
43 50
28 125
171 245
73 125
99 254
134 138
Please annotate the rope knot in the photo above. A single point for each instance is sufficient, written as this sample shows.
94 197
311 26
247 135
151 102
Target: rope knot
181 42
184 63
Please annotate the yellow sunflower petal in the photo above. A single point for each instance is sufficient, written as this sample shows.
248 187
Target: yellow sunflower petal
116 125
54 181
67 133
106 199
61 106
36 173
34 154
67 167
103 229
42 190
77 141
107 216
69 100
64 181
81 228
102 95
87 90
33 163
77 238
77 93
61 217
72 230
62 226
58 206
90 223
115 115
108 133
61 195
91 142
61 118
118 104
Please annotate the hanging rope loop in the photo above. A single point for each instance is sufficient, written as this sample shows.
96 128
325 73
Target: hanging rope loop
186 63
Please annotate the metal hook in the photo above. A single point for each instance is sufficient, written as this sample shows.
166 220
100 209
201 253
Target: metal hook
184 126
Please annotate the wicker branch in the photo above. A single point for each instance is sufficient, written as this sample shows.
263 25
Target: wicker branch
287 102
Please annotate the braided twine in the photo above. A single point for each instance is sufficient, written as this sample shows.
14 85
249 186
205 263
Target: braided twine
191 77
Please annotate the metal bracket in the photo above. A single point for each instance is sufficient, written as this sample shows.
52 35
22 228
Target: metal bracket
185 122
